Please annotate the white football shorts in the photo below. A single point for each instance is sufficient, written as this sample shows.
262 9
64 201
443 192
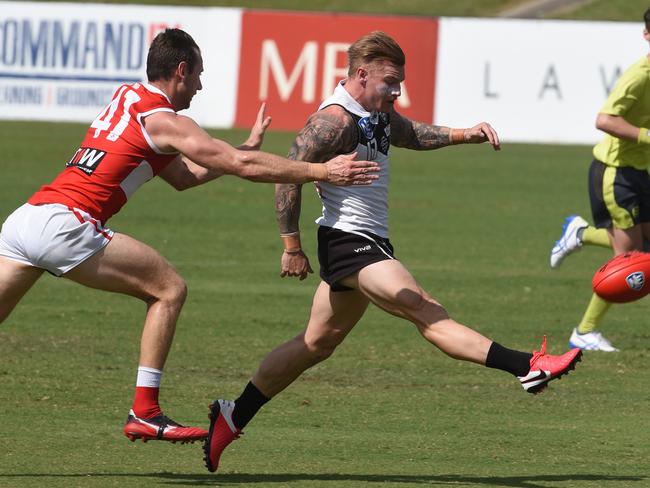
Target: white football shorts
53 237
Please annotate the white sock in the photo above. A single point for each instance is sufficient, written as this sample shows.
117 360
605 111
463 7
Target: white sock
149 377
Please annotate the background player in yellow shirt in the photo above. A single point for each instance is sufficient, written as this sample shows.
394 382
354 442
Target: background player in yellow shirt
619 188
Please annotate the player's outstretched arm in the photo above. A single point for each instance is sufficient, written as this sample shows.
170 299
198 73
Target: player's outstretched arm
176 132
412 134
326 133
182 173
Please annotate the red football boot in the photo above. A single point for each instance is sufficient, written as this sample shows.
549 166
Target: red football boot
161 428
221 433
545 367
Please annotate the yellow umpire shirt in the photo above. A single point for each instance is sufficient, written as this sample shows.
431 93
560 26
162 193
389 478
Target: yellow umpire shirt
629 99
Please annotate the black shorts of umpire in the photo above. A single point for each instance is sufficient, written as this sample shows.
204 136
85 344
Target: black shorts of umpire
619 196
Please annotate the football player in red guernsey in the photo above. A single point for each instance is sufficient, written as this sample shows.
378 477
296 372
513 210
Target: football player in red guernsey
139 135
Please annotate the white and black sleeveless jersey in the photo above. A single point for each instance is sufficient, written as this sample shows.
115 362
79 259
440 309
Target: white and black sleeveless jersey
360 208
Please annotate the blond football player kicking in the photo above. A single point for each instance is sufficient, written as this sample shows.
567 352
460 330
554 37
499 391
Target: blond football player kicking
357 263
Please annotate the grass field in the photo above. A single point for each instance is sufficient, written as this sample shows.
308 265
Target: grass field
400 7
475 228
623 10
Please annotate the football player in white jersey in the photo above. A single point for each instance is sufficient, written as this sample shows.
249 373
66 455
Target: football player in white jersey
357 265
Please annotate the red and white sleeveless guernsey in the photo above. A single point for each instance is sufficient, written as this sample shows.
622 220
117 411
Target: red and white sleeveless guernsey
116 157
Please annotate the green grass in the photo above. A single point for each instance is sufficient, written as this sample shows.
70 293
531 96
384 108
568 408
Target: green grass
474 227
400 7
624 10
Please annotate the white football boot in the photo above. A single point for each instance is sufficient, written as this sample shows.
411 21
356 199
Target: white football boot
591 341
568 241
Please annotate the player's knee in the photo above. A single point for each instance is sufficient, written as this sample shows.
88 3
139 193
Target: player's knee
436 313
174 291
418 306
322 347
179 291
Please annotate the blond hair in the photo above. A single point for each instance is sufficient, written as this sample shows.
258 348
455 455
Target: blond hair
375 46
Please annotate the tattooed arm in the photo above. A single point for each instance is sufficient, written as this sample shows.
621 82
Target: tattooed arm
328 132
412 134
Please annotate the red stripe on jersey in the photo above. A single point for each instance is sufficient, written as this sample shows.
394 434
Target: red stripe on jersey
114 146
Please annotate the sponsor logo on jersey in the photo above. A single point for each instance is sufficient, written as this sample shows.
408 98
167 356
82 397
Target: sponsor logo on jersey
362 249
367 127
87 159
635 280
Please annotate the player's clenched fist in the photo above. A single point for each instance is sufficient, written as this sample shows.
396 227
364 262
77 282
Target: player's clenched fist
295 263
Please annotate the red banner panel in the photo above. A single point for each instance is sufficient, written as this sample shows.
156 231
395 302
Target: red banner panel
293 61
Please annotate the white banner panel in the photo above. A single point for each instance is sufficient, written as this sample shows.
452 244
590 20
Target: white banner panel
535 81
62 61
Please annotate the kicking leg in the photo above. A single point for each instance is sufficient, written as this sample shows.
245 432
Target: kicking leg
389 285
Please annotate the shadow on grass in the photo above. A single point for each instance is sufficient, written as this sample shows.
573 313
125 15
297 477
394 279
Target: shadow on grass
251 479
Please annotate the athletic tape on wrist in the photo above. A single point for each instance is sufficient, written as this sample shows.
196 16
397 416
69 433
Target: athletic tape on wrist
291 242
457 136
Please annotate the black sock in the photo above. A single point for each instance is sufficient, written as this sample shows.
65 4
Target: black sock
247 405
515 362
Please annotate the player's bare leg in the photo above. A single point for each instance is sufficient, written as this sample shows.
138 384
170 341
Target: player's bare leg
333 315
15 280
626 240
132 268
390 286
645 230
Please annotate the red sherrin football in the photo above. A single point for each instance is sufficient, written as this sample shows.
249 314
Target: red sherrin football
624 278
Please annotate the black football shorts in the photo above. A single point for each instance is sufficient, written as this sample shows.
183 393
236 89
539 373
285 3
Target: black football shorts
341 254
620 197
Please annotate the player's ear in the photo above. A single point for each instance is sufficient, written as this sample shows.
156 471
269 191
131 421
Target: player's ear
646 35
362 74
182 70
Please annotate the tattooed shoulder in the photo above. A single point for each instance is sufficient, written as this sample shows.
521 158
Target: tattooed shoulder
328 132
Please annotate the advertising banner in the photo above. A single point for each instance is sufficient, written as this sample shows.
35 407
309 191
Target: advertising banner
293 61
535 81
63 61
